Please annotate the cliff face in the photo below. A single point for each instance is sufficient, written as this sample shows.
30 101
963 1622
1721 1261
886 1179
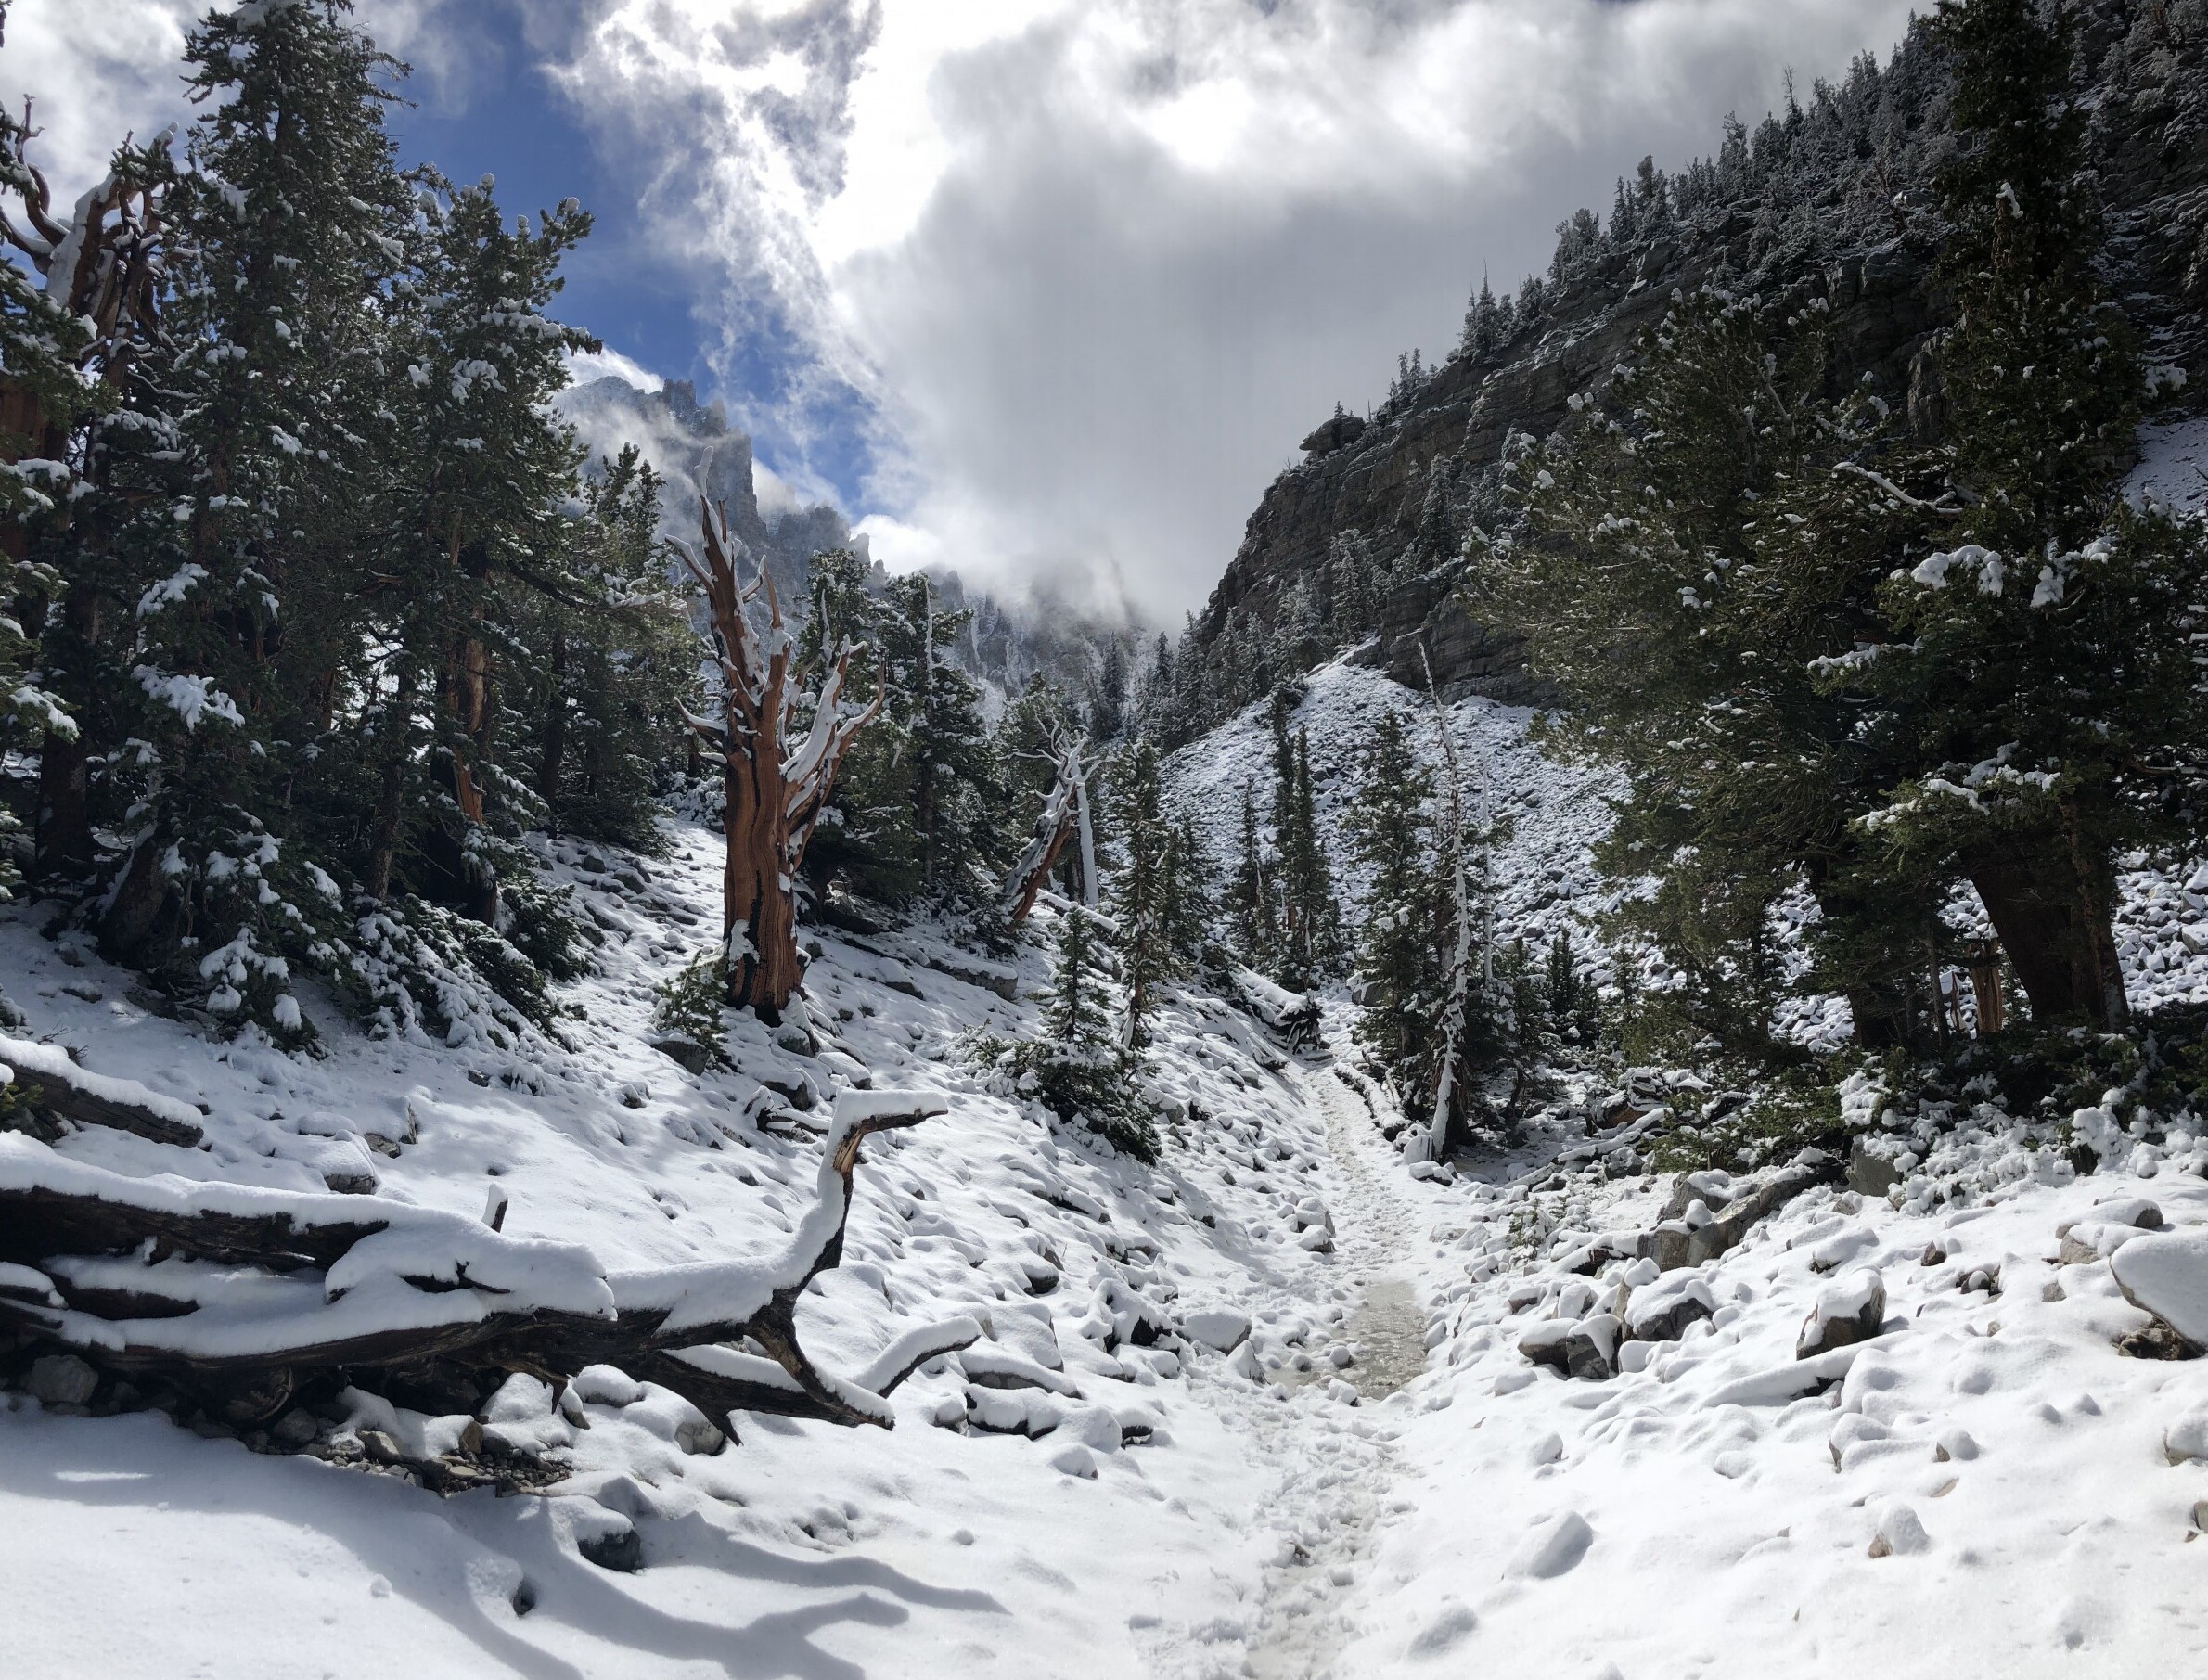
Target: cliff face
1835 202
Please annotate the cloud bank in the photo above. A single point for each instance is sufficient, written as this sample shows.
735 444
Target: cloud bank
1077 276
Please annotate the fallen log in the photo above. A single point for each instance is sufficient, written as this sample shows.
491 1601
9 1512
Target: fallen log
44 1082
253 1298
1674 1243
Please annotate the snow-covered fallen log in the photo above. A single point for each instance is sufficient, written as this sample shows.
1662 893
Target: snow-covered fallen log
44 1082
1699 1235
255 1299
1293 1015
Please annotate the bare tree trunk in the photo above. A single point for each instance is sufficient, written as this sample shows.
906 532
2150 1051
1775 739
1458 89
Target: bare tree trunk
383 838
1064 816
773 790
2053 910
470 691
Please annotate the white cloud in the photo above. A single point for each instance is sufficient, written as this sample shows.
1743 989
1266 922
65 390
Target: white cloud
583 366
1099 263
92 84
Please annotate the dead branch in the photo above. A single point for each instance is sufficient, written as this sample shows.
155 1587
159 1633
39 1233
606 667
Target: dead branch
49 1085
1064 816
249 1296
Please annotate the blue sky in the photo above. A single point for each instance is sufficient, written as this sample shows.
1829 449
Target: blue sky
501 111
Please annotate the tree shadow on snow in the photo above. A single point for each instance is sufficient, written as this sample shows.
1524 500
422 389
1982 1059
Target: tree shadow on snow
472 1560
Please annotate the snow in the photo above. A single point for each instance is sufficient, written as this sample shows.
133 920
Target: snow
2173 466
1150 1433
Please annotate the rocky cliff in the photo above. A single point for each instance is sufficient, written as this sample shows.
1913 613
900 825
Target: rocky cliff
1832 200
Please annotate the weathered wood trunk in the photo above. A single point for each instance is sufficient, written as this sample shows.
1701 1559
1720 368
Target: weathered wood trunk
2053 909
774 788
758 908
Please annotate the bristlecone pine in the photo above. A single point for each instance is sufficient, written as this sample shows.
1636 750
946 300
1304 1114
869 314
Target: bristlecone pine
774 793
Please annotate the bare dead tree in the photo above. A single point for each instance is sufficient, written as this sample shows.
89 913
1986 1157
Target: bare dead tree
1470 943
1065 817
773 789
102 263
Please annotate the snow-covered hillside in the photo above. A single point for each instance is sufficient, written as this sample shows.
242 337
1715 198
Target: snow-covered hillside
1112 1481
1548 814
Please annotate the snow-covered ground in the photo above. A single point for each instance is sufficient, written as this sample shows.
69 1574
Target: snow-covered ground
1329 1497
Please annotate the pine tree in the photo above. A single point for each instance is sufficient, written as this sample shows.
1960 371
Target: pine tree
1482 323
867 842
1688 553
1190 886
1254 897
1108 703
1146 897
259 405
1078 1066
2037 678
466 504
618 661
1407 921
1567 996
950 771
1310 941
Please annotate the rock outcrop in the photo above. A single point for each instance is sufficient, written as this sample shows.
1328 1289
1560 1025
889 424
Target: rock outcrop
1836 203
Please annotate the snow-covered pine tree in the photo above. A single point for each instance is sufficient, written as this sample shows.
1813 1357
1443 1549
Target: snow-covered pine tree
950 770
1567 995
465 508
46 336
1190 882
1310 941
1144 897
1687 550
2038 676
866 843
1407 922
256 401
616 659
1108 698
1253 896
1482 323
1079 1067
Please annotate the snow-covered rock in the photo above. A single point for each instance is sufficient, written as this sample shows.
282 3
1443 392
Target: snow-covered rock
2167 1275
1557 1545
1847 1312
1217 1328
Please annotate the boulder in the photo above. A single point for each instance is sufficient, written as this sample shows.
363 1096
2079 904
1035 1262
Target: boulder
61 1379
1870 1174
1662 1310
1220 1331
1556 1545
1680 1242
1846 1313
1543 1342
681 1048
2167 1274
1900 1533
1591 1349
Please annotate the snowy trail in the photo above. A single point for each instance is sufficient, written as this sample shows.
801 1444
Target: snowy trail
1340 1463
